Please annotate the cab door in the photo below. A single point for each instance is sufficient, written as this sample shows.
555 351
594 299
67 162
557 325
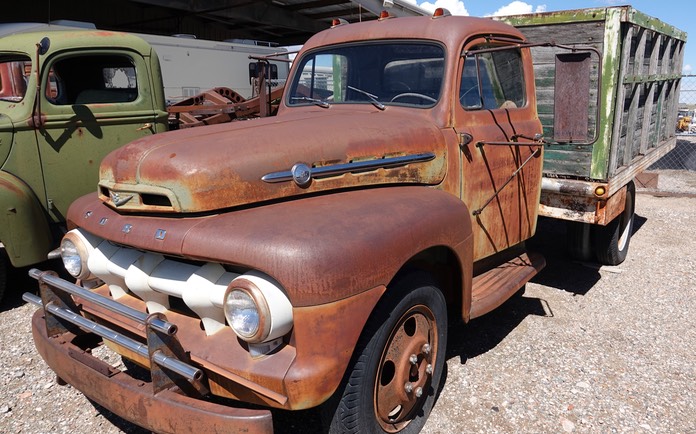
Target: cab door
93 102
496 120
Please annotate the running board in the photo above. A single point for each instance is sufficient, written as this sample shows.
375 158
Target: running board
492 288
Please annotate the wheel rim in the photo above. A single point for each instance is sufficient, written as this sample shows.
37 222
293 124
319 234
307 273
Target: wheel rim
623 240
403 380
626 223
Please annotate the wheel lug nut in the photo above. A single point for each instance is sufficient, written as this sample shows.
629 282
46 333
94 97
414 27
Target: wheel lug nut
408 387
419 392
413 359
429 369
426 349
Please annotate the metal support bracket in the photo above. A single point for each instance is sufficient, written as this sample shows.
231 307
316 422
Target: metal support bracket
164 348
54 325
514 174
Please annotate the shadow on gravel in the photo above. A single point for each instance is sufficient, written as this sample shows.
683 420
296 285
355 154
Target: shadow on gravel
19 282
561 272
485 333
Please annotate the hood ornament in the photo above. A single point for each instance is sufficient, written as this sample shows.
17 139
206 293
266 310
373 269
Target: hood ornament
119 199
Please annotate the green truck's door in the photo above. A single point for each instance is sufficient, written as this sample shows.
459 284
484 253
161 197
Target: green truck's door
93 102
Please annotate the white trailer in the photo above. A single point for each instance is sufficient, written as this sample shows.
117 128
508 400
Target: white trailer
189 65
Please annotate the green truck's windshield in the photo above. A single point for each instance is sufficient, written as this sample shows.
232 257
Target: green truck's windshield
14 73
378 73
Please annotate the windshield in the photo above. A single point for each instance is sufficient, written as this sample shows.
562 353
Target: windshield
378 73
14 74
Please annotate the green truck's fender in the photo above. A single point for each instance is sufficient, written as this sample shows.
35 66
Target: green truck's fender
24 227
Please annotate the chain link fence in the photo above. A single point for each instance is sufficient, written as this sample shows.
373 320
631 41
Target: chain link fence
676 171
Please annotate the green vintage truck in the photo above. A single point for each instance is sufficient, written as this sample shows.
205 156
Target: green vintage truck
65 102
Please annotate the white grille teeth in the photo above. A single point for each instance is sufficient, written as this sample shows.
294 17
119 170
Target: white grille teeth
154 279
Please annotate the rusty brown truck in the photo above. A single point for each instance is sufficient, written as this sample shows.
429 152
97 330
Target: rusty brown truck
311 259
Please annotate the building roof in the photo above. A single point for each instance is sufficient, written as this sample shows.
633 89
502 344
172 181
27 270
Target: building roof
284 22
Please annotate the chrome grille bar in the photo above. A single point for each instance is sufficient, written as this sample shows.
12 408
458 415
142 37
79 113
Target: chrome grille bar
135 315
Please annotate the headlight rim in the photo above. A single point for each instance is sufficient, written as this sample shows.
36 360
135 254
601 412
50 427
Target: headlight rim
248 287
82 253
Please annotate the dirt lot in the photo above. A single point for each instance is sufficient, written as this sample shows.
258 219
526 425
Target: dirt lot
585 349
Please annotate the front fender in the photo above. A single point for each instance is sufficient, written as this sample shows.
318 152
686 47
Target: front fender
327 248
24 228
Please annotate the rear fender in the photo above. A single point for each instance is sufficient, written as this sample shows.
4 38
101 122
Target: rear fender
24 228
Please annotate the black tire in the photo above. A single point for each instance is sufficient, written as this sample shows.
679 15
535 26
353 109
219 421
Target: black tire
611 241
412 314
578 240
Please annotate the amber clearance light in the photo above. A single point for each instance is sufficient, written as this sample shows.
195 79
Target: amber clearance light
441 12
338 22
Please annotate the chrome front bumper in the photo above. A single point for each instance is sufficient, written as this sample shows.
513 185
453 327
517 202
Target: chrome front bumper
170 402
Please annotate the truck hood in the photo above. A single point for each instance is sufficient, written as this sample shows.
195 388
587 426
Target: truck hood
211 168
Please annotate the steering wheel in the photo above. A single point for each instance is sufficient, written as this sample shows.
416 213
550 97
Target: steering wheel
417 95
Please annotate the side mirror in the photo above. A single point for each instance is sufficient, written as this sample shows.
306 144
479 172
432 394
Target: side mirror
43 46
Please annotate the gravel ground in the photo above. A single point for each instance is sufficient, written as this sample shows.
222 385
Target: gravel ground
585 349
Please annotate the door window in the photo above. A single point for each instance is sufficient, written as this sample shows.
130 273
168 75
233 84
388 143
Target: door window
92 79
492 80
14 75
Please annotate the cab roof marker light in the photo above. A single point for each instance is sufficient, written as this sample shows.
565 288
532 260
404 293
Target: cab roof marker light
338 22
384 15
441 12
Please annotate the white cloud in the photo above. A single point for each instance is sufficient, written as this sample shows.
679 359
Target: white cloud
456 7
687 69
518 7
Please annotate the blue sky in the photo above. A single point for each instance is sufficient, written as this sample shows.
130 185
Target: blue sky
678 14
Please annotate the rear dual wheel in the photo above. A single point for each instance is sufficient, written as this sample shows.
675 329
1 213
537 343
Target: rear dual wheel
611 241
608 244
398 363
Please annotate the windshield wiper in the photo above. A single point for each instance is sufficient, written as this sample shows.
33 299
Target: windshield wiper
320 103
373 98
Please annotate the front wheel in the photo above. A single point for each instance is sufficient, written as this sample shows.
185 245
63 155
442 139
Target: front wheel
611 241
395 373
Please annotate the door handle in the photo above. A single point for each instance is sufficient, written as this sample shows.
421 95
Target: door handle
147 126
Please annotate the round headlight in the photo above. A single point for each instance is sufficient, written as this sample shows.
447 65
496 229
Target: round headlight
71 257
257 308
242 313
74 250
